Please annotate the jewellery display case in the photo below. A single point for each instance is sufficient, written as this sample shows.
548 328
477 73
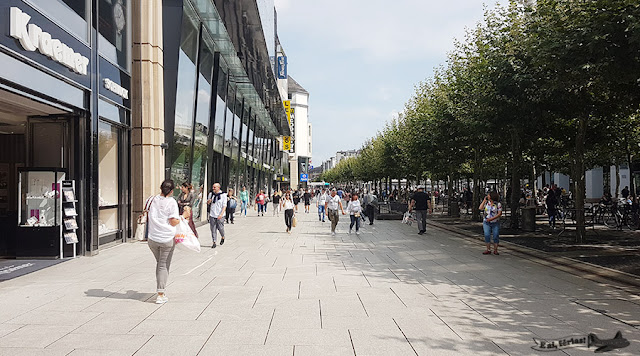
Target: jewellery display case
41 216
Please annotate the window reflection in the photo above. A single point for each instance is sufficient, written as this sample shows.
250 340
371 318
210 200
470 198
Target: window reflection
220 110
113 26
185 96
70 14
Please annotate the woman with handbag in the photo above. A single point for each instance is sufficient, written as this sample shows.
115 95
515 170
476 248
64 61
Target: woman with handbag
186 196
163 217
288 206
354 208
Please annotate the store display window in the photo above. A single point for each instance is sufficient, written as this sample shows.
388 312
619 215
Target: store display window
108 182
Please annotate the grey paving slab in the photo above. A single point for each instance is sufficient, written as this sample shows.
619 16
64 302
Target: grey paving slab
388 291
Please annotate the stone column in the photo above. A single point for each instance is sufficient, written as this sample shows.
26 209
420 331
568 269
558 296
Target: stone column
147 166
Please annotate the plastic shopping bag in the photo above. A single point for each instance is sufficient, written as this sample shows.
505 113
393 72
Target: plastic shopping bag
294 221
185 239
408 218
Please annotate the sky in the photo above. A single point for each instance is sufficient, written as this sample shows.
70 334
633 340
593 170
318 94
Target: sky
361 59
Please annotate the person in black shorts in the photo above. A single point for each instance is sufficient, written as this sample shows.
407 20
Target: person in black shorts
296 198
421 202
307 200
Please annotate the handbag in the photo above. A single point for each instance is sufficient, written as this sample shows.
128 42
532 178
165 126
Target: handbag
185 239
294 222
142 230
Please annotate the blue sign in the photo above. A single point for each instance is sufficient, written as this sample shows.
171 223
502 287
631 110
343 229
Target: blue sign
304 177
282 67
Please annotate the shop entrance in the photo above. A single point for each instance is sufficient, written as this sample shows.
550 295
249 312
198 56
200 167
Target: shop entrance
33 134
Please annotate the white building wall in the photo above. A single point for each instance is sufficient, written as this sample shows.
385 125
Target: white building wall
300 102
625 179
594 183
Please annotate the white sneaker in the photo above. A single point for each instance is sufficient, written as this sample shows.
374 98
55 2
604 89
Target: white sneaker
357 232
333 233
162 299
349 231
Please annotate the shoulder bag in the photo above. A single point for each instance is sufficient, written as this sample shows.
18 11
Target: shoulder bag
142 230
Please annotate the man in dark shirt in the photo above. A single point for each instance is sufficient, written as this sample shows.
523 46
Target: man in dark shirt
307 200
421 202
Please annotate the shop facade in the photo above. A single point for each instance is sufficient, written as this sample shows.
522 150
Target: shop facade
222 112
65 125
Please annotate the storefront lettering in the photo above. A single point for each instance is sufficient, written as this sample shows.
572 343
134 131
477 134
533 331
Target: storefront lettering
116 89
31 37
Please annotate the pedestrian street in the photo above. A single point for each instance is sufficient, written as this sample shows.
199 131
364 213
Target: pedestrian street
387 291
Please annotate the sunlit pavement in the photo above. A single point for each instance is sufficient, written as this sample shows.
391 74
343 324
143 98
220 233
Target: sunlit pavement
387 291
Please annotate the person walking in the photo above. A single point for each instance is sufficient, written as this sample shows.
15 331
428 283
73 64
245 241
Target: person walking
186 197
244 201
296 198
261 201
276 203
331 206
232 204
322 199
163 217
370 202
307 200
288 206
491 223
552 203
216 219
421 202
354 208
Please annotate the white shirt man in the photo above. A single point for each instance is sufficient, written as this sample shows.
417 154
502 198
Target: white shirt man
322 199
331 205
216 220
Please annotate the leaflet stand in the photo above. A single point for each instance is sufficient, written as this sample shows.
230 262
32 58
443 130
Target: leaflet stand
68 232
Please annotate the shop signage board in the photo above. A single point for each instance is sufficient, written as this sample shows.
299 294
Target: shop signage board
287 109
33 38
286 143
304 177
282 67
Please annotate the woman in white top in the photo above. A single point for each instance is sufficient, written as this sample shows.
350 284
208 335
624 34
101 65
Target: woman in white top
288 206
355 211
162 219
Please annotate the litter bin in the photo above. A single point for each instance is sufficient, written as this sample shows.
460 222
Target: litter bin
529 219
454 209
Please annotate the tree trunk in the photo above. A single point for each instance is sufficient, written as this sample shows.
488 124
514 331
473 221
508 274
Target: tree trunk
579 179
617 180
475 215
516 161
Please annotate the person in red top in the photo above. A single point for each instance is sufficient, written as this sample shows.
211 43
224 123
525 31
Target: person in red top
261 200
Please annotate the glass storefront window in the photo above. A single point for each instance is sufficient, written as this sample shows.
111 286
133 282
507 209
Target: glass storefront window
108 182
114 19
185 96
228 125
218 139
198 170
69 14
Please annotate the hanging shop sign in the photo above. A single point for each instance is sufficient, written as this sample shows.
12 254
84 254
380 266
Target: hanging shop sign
286 143
282 67
287 109
32 37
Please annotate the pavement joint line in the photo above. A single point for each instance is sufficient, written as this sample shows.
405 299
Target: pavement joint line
428 290
316 270
368 262
274 262
507 303
363 307
353 347
603 312
267 252
334 283
394 274
394 261
400 299
320 309
209 338
365 277
143 345
285 272
205 308
501 349
565 264
299 287
405 336
343 265
239 255
245 282
445 323
198 266
257 296
269 328
245 262
482 315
